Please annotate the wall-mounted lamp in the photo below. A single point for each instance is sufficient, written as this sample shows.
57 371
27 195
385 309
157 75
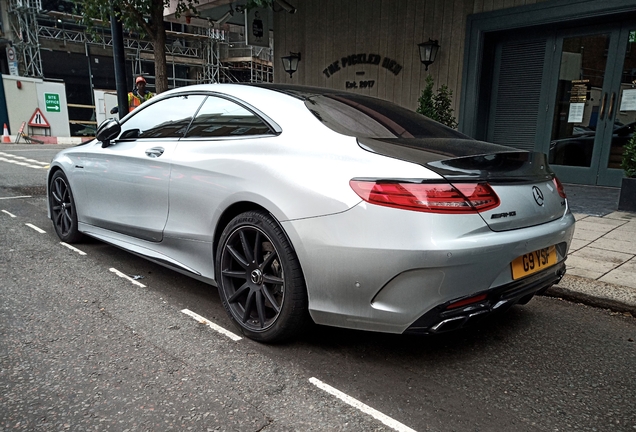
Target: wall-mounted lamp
285 6
290 63
428 52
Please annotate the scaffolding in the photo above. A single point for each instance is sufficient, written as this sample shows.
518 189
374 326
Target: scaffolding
24 25
220 55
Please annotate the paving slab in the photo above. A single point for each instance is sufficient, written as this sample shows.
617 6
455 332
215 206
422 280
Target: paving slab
597 268
621 233
626 246
612 258
588 235
599 224
623 275
578 244
622 215
630 226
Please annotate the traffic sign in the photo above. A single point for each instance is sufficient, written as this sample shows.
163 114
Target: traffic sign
11 54
12 61
38 120
52 102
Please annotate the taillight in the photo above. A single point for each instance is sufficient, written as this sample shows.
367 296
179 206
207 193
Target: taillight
428 197
559 187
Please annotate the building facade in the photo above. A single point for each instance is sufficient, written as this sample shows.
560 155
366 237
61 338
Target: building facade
556 76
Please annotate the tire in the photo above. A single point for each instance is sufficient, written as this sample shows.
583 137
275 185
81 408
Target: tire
260 279
63 211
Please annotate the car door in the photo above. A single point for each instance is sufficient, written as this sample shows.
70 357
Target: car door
205 170
127 183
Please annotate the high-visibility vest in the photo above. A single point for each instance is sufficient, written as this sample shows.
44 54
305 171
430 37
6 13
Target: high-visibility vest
134 100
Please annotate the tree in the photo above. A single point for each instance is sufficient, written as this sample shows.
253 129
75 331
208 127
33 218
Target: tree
142 16
437 106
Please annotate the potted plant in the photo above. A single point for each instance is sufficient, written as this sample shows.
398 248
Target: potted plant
627 200
437 106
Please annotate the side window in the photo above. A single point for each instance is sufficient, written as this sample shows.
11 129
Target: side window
220 117
168 118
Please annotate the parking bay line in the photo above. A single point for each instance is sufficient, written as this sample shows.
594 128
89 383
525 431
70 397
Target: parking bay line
393 424
41 231
73 248
121 275
10 214
213 326
15 197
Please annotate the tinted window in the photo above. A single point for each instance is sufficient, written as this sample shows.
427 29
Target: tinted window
221 117
366 117
168 118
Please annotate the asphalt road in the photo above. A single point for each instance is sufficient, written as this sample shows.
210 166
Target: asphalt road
82 348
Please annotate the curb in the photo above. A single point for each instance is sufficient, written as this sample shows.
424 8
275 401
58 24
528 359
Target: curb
595 293
50 140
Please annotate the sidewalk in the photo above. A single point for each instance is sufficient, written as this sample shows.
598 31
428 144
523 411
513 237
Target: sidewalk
601 266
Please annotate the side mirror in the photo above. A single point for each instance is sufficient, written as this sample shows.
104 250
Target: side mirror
114 110
108 130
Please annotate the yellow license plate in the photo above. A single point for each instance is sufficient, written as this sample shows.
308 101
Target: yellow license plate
533 262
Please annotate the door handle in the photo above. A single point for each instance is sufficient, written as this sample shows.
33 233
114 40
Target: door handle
611 106
602 113
155 152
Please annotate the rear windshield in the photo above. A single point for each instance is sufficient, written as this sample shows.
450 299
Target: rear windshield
367 117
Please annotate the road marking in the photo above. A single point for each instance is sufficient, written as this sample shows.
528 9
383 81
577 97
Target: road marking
120 274
21 196
21 158
393 424
22 163
73 248
12 215
41 231
212 325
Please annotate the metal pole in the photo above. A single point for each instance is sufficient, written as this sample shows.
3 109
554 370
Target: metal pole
120 64
90 71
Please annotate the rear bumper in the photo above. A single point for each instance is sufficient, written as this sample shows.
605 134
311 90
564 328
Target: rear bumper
441 319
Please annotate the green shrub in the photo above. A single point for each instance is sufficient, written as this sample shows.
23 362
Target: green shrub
629 157
437 106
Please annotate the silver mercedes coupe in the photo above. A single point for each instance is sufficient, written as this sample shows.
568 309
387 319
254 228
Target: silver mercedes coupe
303 204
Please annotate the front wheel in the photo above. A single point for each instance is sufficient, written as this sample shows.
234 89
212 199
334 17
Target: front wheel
260 280
63 212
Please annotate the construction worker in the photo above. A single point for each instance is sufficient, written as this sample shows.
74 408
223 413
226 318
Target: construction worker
139 94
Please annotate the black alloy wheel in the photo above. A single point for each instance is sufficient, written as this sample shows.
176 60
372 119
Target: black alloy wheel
62 207
260 279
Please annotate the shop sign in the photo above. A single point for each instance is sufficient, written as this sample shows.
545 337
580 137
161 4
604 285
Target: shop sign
360 59
257 27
